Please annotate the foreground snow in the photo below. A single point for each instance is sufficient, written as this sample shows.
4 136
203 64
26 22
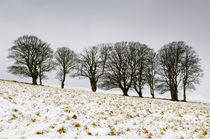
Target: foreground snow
28 111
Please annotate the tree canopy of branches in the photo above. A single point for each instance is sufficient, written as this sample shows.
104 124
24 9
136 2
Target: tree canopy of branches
45 63
169 58
177 63
126 67
66 62
32 56
91 64
191 69
142 56
123 65
120 67
151 72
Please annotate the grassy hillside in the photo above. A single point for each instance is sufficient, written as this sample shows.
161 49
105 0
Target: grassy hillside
40 111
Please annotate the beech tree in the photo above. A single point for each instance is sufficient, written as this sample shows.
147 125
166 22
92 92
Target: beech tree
177 64
31 56
66 61
140 77
120 67
191 69
151 72
91 64
170 68
45 64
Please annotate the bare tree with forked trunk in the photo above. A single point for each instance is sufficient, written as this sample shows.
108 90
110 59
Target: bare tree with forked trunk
191 70
92 62
66 61
151 68
31 56
170 68
121 67
140 77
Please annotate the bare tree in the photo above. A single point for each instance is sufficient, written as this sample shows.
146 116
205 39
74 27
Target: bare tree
120 67
66 62
28 53
45 63
151 72
192 71
170 68
91 64
140 78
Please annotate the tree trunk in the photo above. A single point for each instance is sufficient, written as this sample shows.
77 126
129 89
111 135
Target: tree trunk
125 92
140 93
93 85
152 92
184 94
40 80
62 82
174 94
34 80
40 76
175 97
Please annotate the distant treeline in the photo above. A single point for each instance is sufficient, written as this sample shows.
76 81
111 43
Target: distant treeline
124 65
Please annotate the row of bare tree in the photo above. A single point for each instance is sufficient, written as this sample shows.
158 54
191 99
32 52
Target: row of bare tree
124 65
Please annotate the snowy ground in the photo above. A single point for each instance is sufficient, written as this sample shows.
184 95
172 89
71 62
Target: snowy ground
28 111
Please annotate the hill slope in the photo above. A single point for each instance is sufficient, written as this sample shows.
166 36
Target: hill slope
40 111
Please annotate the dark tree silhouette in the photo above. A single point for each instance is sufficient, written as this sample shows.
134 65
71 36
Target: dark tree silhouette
120 67
191 70
170 68
45 63
142 57
66 62
91 64
151 72
30 53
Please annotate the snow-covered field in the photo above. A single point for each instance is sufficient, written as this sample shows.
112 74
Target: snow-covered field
28 111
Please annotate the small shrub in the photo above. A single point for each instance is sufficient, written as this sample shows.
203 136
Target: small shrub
52 126
76 124
74 116
15 110
61 130
205 132
33 120
39 132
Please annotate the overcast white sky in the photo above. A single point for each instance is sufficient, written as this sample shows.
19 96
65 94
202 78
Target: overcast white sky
81 23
